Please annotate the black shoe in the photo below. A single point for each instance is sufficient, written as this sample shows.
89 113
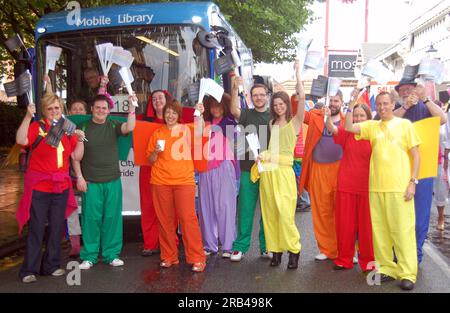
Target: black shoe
293 260
148 252
406 284
338 267
386 278
276 258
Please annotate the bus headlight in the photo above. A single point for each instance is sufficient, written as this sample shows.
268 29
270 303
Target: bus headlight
196 19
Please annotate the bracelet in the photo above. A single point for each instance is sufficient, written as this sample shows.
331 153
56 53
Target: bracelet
349 110
80 176
132 113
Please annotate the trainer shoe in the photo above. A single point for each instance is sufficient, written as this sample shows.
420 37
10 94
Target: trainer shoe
266 255
226 254
207 253
58 272
321 257
198 267
116 262
86 265
29 279
236 256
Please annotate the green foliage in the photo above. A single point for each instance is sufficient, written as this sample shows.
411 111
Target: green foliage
10 118
266 26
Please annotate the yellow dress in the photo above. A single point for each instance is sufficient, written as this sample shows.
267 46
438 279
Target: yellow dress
278 191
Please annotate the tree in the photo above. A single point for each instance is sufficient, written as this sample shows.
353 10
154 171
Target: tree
268 27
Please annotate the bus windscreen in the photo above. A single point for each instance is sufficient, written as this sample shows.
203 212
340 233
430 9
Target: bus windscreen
165 57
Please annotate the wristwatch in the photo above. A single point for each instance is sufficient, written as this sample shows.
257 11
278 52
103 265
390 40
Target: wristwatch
426 100
414 180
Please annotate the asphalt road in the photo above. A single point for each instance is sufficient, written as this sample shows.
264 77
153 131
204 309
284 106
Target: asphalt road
252 275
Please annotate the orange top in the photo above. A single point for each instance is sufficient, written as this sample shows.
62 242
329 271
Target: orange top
141 135
174 165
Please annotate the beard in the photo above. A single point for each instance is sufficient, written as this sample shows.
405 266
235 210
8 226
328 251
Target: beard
335 111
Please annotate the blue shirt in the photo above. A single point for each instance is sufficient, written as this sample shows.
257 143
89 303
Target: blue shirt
417 112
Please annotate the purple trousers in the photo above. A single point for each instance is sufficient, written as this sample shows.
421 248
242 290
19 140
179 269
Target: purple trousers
217 207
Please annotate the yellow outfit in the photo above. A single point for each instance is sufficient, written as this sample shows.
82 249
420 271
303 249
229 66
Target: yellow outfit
278 191
393 218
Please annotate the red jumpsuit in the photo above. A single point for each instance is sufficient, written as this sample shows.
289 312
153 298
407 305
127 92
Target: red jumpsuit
352 213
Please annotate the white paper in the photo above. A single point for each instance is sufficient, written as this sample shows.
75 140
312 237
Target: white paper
431 69
302 51
313 59
236 59
209 87
253 143
126 75
161 143
121 57
375 70
102 55
127 78
52 55
333 86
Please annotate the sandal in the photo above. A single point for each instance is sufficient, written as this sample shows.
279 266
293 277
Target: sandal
167 264
198 267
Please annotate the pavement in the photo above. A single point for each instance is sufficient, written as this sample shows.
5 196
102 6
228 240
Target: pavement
11 187
252 275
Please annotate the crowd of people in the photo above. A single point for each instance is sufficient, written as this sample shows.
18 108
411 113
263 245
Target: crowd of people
360 173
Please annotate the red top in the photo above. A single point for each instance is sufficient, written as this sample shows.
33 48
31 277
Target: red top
353 175
44 157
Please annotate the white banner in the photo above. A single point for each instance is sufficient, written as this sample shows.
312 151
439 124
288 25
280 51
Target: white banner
129 174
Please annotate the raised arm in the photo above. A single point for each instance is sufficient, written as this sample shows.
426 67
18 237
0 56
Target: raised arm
48 84
299 116
329 123
235 108
22 132
131 120
434 109
199 122
349 126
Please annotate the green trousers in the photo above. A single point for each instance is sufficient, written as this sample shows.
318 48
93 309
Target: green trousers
248 196
101 221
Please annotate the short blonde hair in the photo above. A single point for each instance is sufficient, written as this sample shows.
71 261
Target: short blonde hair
48 99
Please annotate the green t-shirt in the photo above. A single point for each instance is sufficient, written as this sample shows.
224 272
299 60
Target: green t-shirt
251 120
100 162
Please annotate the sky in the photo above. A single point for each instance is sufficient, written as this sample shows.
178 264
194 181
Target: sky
388 21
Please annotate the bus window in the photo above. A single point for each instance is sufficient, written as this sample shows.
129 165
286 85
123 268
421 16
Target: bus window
165 57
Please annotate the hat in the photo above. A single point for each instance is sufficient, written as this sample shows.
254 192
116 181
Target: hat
405 81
